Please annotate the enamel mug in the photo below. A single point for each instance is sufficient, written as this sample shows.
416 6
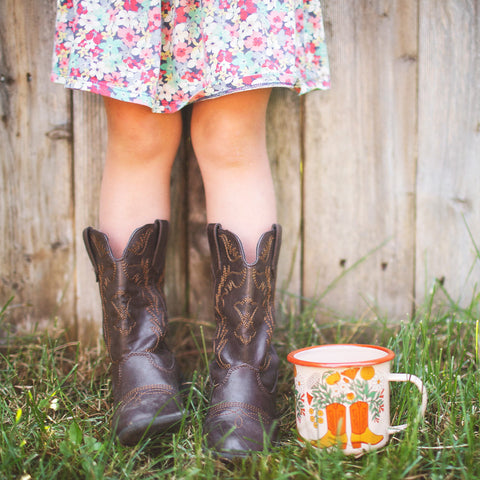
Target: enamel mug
342 396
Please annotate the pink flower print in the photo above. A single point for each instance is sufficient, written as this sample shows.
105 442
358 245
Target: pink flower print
96 52
112 13
310 47
289 46
61 50
270 64
250 79
81 10
131 5
154 18
247 8
95 36
64 63
191 76
75 73
225 55
232 30
130 62
100 86
299 19
147 76
286 78
179 97
255 42
316 22
167 35
146 53
200 65
128 36
180 15
276 21
233 69
278 54
114 79
181 51
224 4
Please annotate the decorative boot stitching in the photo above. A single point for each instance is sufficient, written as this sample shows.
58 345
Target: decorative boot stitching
123 322
140 244
232 370
246 310
251 411
136 395
100 246
267 249
233 253
225 286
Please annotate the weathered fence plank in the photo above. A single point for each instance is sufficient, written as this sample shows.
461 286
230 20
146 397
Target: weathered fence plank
382 167
360 161
89 135
36 254
448 181
284 139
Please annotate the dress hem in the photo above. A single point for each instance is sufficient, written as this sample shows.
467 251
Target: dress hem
118 93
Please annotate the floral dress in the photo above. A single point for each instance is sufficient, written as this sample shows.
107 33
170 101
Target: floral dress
168 53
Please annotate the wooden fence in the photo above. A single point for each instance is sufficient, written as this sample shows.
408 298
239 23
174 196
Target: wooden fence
383 170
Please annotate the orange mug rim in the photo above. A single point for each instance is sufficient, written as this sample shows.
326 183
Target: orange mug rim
308 363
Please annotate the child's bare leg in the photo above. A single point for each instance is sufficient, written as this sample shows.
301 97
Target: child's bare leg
228 136
136 179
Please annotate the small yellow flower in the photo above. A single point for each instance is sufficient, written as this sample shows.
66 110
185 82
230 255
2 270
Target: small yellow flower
18 415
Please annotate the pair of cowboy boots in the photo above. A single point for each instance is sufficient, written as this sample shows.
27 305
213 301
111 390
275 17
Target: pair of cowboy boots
145 378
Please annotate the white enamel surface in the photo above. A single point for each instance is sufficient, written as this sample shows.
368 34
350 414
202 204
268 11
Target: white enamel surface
343 388
341 354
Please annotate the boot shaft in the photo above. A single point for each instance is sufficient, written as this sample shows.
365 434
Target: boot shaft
244 298
133 305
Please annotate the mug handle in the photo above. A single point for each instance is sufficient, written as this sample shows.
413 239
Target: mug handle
406 377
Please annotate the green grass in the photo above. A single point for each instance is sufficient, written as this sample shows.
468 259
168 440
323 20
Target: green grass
55 406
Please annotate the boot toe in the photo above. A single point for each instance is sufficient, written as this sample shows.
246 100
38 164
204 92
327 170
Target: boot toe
147 412
238 430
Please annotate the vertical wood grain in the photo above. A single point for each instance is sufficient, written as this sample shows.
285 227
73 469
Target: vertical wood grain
284 149
200 282
360 161
90 137
36 254
448 192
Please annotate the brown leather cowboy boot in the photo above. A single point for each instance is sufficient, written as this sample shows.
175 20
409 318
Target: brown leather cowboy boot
145 377
241 418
